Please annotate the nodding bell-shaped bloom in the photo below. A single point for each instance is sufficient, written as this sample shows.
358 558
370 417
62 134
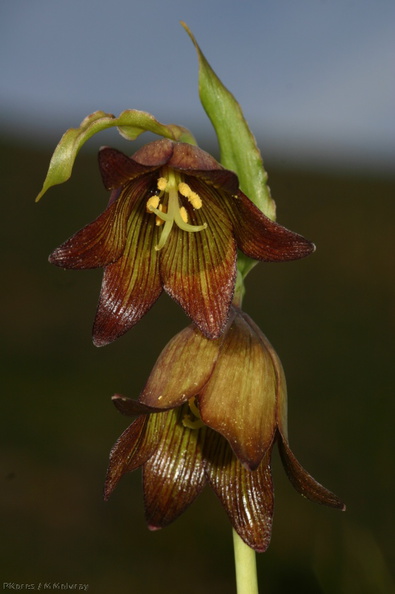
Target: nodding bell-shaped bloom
174 221
211 412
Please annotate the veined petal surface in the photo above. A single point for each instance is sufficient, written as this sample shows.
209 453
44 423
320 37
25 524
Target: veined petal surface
136 444
132 284
239 401
247 495
198 270
174 476
182 369
302 481
261 238
98 244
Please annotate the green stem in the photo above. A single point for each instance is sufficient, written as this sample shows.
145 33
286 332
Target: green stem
245 564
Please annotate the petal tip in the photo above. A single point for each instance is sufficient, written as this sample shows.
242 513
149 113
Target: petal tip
153 528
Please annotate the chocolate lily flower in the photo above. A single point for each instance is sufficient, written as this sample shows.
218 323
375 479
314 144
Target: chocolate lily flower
174 221
211 412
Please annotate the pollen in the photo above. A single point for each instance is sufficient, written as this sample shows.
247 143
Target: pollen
184 214
152 203
192 196
184 189
195 200
162 184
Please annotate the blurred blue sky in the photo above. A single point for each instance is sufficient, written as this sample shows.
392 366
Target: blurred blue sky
315 78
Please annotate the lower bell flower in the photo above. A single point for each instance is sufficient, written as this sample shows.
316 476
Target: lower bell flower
211 412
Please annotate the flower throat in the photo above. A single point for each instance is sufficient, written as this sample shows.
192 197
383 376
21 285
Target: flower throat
166 204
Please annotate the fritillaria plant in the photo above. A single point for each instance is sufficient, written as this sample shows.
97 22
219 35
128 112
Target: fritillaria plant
215 402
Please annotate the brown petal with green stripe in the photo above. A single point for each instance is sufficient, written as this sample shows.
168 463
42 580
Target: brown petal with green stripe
240 399
136 444
247 495
302 481
261 238
181 370
98 244
132 284
174 476
198 270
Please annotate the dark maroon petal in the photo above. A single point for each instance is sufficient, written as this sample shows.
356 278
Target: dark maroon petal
198 270
182 369
222 180
98 244
247 495
302 481
132 284
174 475
117 169
132 449
177 155
240 399
261 238
130 407
155 153
189 157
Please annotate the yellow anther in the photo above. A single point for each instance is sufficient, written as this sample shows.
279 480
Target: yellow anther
195 200
152 203
192 196
184 189
193 406
162 184
160 221
191 418
184 214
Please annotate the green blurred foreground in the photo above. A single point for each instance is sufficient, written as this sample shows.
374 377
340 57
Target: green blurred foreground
330 317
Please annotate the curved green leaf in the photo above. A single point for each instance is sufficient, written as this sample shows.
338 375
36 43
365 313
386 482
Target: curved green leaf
239 151
131 123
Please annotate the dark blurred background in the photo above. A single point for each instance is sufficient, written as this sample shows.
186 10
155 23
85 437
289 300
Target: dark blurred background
330 317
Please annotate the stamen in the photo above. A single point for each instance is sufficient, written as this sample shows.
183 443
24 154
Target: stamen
166 215
184 189
162 184
152 203
184 214
191 419
195 200
192 196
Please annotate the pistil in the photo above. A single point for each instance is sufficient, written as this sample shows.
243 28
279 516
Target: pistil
174 211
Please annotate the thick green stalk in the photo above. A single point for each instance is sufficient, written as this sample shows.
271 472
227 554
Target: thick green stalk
245 565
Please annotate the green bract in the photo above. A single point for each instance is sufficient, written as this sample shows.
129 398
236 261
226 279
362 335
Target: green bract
131 123
237 144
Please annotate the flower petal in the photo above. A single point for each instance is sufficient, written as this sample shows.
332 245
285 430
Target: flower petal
177 155
182 369
261 238
247 495
239 401
302 481
98 244
174 475
198 270
132 449
132 284
130 407
117 169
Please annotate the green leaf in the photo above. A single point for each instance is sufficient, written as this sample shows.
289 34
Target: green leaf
131 123
239 151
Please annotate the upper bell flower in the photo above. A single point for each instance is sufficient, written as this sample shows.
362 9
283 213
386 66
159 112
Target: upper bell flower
174 221
211 411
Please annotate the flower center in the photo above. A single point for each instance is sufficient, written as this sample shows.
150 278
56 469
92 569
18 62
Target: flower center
166 204
191 418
